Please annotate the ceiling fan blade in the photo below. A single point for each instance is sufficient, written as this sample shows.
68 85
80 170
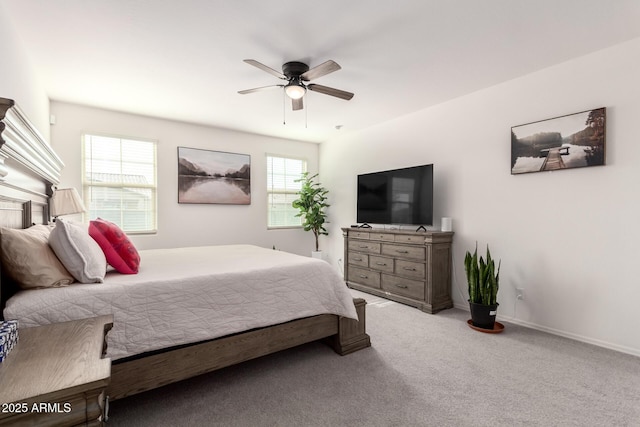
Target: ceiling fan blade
297 104
330 91
320 70
257 89
263 67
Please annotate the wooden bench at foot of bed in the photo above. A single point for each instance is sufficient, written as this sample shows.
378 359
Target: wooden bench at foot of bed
134 376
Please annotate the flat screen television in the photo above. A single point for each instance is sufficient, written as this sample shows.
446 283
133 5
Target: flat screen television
398 196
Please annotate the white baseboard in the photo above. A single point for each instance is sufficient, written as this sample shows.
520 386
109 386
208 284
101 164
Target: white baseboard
581 338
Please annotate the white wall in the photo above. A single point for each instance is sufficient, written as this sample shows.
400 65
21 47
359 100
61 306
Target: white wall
187 224
569 238
18 80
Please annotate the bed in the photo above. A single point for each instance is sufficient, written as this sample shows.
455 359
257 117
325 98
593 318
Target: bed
291 300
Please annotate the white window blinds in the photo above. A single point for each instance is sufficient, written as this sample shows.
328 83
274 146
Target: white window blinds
282 190
119 181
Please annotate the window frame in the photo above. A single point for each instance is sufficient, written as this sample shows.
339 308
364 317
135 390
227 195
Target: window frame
86 184
269 191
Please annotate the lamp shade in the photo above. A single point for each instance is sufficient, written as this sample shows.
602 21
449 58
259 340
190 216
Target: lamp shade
66 201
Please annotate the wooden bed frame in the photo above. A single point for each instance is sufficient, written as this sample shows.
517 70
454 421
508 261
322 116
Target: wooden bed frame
29 168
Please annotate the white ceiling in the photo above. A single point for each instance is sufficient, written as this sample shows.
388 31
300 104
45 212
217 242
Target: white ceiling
182 59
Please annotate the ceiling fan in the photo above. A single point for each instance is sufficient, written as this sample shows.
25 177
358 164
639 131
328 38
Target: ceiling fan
296 74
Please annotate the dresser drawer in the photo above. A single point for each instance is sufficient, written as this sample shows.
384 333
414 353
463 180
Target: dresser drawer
364 277
413 252
414 270
407 238
359 235
383 237
357 258
381 263
364 246
405 287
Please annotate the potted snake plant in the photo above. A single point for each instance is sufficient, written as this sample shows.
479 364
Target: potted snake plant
483 279
311 204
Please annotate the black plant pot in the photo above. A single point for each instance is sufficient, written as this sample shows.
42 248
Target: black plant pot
483 316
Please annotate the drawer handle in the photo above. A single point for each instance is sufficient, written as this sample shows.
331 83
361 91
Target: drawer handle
381 263
409 268
358 259
401 286
363 247
362 276
402 252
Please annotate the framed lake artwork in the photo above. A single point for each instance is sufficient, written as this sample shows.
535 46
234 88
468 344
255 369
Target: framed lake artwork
566 142
206 176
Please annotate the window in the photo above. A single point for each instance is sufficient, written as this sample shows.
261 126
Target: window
119 181
282 190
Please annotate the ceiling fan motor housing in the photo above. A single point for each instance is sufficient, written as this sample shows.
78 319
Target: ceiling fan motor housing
294 69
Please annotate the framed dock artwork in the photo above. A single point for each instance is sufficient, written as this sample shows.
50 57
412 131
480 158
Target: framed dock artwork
572 141
206 176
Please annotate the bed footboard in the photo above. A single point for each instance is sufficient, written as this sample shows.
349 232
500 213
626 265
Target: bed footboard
352 334
134 376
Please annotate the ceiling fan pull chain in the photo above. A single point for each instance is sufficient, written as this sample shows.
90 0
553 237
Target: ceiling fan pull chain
284 107
306 113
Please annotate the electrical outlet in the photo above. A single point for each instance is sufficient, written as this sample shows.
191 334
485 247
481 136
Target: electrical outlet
519 293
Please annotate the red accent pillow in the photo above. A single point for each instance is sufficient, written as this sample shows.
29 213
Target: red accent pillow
121 254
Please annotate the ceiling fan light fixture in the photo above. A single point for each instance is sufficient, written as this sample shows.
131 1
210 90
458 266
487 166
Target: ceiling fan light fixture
295 90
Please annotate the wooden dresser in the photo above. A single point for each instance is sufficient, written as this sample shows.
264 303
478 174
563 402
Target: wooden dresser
56 375
410 267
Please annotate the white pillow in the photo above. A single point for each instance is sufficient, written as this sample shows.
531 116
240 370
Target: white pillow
78 252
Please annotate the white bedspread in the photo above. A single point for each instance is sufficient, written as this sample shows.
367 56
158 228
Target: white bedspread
187 295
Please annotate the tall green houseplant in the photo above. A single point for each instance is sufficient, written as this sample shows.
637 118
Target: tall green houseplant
312 203
483 278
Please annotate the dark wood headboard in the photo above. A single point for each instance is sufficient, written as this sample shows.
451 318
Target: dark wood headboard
29 168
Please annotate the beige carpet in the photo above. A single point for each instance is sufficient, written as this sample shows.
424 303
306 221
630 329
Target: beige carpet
423 370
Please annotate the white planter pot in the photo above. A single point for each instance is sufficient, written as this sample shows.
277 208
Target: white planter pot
317 255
